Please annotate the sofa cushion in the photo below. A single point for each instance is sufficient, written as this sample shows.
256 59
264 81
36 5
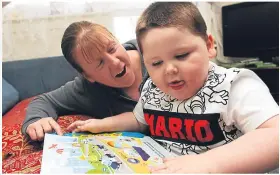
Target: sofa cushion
17 114
26 164
20 154
10 96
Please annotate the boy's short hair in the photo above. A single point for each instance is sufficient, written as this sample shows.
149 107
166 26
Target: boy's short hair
171 14
86 36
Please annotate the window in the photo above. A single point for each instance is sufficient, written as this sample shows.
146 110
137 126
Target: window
124 27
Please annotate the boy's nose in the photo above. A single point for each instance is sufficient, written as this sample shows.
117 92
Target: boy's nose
171 69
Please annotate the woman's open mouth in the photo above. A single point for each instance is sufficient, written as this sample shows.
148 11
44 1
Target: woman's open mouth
122 73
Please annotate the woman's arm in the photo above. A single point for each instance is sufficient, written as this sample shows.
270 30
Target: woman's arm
70 98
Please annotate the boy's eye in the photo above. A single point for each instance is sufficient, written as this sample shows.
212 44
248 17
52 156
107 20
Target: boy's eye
157 63
182 56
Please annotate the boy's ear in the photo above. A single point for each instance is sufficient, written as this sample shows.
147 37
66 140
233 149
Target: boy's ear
211 47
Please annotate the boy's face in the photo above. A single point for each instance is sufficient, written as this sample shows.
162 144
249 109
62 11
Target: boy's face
111 67
177 60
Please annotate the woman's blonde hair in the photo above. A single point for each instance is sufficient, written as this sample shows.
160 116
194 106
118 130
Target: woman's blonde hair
86 36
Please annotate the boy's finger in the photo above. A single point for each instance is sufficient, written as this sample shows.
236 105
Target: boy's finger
82 128
87 121
157 168
76 130
72 126
161 171
89 127
166 159
86 127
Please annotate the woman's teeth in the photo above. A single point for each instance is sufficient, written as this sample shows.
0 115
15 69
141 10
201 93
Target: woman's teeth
121 73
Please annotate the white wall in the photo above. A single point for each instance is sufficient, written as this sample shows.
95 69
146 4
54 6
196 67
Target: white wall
25 39
34 30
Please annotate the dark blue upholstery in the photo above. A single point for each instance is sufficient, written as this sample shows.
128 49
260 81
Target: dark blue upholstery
35 76
10 96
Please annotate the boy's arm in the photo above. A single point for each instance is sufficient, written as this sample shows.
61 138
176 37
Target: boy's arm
128 121
254 112
254 152
121 122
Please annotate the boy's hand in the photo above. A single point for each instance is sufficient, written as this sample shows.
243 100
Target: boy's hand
37 130
184 164
90 125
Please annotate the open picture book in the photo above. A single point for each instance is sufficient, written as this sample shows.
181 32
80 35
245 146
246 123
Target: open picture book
107 153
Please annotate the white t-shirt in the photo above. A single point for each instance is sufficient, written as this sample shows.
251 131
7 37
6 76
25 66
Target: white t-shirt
232 102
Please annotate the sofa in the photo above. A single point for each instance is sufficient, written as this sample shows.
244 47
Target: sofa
21 82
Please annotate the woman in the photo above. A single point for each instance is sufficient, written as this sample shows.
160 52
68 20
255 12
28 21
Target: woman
110 74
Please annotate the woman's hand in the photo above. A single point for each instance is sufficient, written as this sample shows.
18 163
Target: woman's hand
37 130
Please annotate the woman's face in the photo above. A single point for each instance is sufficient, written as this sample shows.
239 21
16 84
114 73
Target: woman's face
110 66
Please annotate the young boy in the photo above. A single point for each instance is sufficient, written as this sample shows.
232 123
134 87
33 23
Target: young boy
220 120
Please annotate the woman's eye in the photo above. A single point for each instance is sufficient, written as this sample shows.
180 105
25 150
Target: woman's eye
182 56
112 49
100 63
157 63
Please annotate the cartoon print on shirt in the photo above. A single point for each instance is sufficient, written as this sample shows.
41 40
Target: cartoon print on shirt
168 105
211 93
213 81
197 104
231 132
184 148
154 96
236 71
